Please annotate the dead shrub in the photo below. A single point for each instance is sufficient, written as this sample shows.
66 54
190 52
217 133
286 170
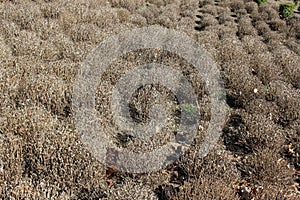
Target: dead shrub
67 19
263 130
164 21
266 12
269 109
287 101
11 163
262 65
225 17
171 11
85 32
254 44
251 7
224 31
269 172
245 27
65 46
207 188
41 154
64 69
262 27
241 12
23 15
212 178
158 3
235 135
130 5
48 149
97 4
291 150
27 43
150 13
275 191
293 45
33 89
205 2
245 133
123 15
29 121
132 189
278 25
208 39
206 20
5 51
9 29
208 9
187 8
231 49
137 19
289 61
293 26
49 52
51 10
101 17
274 39
187 24
242 87
46 28
236 5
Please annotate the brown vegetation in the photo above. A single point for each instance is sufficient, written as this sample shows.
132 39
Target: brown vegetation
42 44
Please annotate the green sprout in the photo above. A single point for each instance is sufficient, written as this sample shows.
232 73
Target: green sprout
286 9
266 89
261 1
189 109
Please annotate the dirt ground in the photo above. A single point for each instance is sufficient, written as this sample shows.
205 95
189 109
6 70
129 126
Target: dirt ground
43 43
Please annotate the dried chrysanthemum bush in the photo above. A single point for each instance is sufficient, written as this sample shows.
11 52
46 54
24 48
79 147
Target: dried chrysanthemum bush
269 172
42 46
246 27
263 66
289 61
48 154
213 182
254 45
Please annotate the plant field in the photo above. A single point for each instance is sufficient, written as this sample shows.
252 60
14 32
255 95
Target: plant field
256 46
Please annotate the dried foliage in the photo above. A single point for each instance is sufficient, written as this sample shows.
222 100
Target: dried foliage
42 44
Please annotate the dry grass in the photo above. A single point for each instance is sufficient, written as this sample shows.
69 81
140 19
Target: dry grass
42 44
